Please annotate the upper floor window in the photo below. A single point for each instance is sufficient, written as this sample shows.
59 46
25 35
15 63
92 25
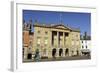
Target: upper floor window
82 46
38 45
46 32
85 41
86 46
76 35
38 40
38 31
44 52
46 41
66 34
60 39
30 43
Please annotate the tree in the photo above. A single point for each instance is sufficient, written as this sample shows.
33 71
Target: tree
85 36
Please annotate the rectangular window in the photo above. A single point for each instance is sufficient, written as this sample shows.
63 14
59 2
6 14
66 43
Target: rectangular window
76 35
46 32
38 45
38 31
86 46
44 52
66 34
38 40
46 41
82 46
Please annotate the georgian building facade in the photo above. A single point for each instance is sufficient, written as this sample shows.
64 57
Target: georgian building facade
51 41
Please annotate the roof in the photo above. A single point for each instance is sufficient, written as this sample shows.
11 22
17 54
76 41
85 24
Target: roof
58 26
85 37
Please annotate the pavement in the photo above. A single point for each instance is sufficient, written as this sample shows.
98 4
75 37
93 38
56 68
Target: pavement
60 59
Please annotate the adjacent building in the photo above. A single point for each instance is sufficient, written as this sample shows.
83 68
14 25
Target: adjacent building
85 44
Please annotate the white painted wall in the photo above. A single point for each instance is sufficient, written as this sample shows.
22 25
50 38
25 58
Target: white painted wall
85 43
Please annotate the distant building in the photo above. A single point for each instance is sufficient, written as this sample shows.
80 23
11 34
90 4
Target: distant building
27 40
85 44
51 41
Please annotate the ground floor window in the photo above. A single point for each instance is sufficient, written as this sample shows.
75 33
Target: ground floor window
77 52
44 52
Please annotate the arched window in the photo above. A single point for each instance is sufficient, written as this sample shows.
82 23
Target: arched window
60 52
66 51
54 52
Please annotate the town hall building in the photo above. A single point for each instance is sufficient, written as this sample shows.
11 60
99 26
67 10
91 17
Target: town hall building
50 40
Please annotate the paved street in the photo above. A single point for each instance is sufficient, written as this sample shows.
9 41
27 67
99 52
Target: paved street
61 59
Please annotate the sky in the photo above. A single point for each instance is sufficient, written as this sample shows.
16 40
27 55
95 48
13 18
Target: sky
72 19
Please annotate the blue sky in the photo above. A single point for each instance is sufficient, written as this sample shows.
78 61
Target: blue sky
72 19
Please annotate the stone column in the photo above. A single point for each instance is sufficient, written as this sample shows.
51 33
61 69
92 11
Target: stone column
57 39
57 51
50 46
50 52
63 44
63 40
51 38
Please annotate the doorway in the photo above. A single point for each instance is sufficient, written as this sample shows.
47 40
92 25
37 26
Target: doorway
66 52
60 52
29 56
54 52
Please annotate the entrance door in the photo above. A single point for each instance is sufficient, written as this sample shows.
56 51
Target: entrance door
77 52
66 52
60 52
54 52
29 56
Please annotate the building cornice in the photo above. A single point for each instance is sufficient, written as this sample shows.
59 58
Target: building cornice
55 27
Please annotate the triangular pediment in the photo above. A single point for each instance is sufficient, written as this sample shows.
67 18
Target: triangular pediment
61 26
